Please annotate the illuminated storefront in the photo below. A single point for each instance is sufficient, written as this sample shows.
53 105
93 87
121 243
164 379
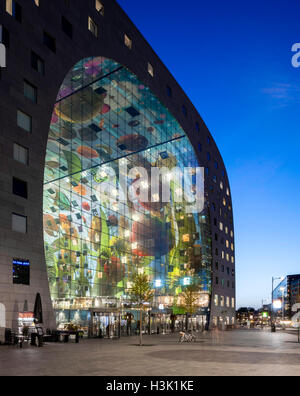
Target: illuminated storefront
106 123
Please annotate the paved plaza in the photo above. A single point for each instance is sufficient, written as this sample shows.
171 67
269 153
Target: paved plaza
235 353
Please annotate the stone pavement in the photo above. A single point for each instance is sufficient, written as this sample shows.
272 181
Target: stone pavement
233 353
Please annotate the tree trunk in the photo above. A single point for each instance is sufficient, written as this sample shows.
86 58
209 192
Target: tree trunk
141 327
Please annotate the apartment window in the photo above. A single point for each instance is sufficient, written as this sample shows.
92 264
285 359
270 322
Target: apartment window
150 70
169 91
221 226
20 188
184 111
49 42
216 300
4 36
14 9
208 140
30 91
217 266
20 154
217 280
216 165
227 192
19 223
208 156
200 147
228 302
37 63
233 303
197 126
67 27
24 121
99 7
93 27
127 41
222 301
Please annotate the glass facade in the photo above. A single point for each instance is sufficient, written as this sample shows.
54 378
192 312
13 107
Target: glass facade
288 292
105 124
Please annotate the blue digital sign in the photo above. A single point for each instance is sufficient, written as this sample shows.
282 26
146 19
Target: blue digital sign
25 263
21 272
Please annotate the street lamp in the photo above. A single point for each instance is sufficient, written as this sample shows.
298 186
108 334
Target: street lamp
273 325
282 289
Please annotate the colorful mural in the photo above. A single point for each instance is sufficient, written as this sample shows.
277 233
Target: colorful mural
106 120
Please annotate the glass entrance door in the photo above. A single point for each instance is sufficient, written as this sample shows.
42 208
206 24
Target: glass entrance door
105 325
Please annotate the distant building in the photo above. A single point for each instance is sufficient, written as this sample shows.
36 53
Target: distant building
288 294
245 315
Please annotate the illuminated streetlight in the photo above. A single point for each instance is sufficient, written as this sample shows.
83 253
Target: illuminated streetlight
273 325
282 289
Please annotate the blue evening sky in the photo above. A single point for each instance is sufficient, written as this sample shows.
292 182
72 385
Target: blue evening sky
233 59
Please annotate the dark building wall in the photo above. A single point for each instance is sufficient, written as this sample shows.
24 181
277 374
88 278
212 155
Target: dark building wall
28 36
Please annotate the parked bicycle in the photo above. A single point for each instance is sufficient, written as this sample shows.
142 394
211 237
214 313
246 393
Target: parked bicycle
184 337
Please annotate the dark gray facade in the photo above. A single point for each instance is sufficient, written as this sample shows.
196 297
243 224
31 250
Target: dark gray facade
27 36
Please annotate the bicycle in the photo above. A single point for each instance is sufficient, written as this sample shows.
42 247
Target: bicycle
184 337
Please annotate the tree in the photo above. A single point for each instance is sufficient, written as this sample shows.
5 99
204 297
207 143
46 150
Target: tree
189 299
141 293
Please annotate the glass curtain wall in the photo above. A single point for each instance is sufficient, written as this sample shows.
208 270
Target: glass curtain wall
105 123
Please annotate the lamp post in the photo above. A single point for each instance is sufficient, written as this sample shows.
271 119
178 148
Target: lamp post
282 289
273 325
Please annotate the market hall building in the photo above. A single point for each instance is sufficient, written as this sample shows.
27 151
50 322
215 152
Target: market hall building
84 96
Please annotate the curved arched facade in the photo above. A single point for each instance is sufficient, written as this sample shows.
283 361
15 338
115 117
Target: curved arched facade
107 128
128 93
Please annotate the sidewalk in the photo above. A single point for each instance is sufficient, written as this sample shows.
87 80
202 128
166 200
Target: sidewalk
232 353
